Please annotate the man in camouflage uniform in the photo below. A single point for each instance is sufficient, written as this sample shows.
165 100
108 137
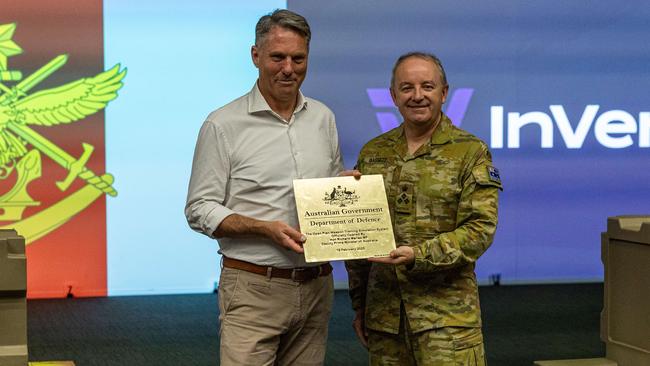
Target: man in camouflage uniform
420 305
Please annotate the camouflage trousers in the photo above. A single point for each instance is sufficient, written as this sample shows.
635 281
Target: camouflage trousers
449 346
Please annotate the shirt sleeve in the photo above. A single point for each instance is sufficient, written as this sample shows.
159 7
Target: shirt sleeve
477 218
206 194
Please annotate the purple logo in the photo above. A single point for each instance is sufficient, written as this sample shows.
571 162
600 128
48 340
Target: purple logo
455 110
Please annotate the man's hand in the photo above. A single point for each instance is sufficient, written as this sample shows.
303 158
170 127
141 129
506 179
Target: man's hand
284 235
354 173
401 255
359 326
281 233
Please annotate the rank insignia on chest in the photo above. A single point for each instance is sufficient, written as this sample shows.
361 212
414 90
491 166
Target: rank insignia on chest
493 173
404 198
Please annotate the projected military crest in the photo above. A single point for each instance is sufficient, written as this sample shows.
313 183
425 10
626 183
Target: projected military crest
54 183
22 148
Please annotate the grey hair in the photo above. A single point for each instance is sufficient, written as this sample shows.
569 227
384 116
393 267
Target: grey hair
285 19
422 55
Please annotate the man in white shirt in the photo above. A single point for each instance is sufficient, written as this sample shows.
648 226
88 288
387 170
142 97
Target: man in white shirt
274 307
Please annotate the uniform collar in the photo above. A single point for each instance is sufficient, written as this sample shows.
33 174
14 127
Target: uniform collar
441 135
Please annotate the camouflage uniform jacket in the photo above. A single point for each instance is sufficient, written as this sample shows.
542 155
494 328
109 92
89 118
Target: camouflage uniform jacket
443 202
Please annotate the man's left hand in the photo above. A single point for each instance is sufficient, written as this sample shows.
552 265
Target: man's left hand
401 255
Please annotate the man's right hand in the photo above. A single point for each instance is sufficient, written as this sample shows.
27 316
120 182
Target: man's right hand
281 233
284 235
359 326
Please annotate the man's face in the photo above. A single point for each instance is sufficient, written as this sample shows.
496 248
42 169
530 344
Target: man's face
418 91
282 62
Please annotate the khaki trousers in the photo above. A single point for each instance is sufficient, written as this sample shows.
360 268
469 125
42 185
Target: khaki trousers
273 321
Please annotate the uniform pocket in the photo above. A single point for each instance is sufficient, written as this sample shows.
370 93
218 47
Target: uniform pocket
464 338
468 346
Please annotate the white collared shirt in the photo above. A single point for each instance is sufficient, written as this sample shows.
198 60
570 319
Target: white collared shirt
245 161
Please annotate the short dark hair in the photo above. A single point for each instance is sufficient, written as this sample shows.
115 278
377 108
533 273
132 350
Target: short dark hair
423 55
285 19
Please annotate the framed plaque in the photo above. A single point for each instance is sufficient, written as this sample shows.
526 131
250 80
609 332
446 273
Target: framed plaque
344 218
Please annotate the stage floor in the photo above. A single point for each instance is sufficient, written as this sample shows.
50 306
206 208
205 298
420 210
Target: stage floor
521 324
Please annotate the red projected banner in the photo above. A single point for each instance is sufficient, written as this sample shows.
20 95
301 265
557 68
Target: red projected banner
53 183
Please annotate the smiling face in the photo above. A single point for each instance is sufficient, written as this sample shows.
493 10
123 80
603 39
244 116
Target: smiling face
418 92
281 59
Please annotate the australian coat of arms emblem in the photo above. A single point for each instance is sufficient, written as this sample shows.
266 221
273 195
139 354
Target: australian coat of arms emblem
340 196
22 148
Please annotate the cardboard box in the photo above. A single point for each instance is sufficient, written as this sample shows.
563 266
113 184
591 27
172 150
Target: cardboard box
580 362
625 319
13 302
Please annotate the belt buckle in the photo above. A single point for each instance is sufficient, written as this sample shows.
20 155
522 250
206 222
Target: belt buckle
298 270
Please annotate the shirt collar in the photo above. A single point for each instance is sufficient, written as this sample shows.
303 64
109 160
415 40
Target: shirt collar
257 103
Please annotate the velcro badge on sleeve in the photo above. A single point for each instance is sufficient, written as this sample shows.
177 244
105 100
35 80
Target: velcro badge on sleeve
494 174
487 175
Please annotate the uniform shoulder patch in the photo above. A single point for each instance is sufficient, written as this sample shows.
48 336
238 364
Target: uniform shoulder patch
493 173
487 175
